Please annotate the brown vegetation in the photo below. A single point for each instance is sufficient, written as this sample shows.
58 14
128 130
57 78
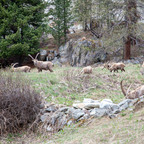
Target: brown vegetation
19 103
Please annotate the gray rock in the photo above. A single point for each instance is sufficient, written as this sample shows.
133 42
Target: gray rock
43 54
75 113
64 109
124 104
44 117
99 112
92 105
107 103
70 122
51 108
81 53
128 101
49 129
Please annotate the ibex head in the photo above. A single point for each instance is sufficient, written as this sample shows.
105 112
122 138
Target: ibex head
34 59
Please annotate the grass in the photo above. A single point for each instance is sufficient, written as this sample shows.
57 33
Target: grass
66 85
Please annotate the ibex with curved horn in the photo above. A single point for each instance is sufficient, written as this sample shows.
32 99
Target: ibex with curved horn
21 68
42 65
133 94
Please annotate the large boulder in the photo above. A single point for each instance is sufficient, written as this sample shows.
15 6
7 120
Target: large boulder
43 54
82 53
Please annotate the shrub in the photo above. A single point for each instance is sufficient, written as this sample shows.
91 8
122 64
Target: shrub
19 103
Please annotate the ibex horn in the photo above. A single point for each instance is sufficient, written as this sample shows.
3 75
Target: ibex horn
30 56
36 56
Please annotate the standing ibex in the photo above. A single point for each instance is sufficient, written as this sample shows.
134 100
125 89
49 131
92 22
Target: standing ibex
114 66
133 94
117 66
20 69
42 65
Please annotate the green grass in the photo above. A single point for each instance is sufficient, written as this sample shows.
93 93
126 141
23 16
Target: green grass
66 85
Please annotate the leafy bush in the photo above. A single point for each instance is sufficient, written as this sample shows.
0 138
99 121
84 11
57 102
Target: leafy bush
19 103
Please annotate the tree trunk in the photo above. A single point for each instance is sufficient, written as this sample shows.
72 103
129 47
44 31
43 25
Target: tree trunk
127 50
131 18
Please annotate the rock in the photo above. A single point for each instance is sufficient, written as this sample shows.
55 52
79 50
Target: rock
64 109
92 105
106 103
81 53
43 54
70 122
44 117
99 112
49 129
79 105
125 101
86 105
124 104
75 113
51 108
56 61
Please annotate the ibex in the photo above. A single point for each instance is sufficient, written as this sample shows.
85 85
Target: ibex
83 38
133 94
42 65
21 68
87 70
117 66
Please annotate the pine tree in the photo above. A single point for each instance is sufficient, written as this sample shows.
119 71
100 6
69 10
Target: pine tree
21 26
83 11
62 19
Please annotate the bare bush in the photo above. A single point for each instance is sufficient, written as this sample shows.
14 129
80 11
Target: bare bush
19 103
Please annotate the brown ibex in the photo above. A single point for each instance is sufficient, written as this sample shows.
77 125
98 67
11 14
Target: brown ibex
42 65
87 70
20 69
133 94
117 66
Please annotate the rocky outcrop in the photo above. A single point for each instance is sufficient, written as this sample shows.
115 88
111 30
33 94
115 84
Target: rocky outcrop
55 117
82 53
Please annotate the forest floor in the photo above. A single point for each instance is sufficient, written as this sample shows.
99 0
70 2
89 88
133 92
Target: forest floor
66 85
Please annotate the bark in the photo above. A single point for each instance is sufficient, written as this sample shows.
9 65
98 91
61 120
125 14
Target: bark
131 19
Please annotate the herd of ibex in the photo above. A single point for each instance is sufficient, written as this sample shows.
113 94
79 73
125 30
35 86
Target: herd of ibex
40 65
112 67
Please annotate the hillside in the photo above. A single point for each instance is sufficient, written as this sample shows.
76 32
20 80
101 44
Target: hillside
65 86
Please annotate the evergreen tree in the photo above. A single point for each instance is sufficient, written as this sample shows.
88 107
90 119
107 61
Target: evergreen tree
83 11
21 26
62 19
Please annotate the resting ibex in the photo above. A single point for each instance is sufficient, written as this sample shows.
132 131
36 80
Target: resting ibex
42 65
87 70
20 69
117 66
133 94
